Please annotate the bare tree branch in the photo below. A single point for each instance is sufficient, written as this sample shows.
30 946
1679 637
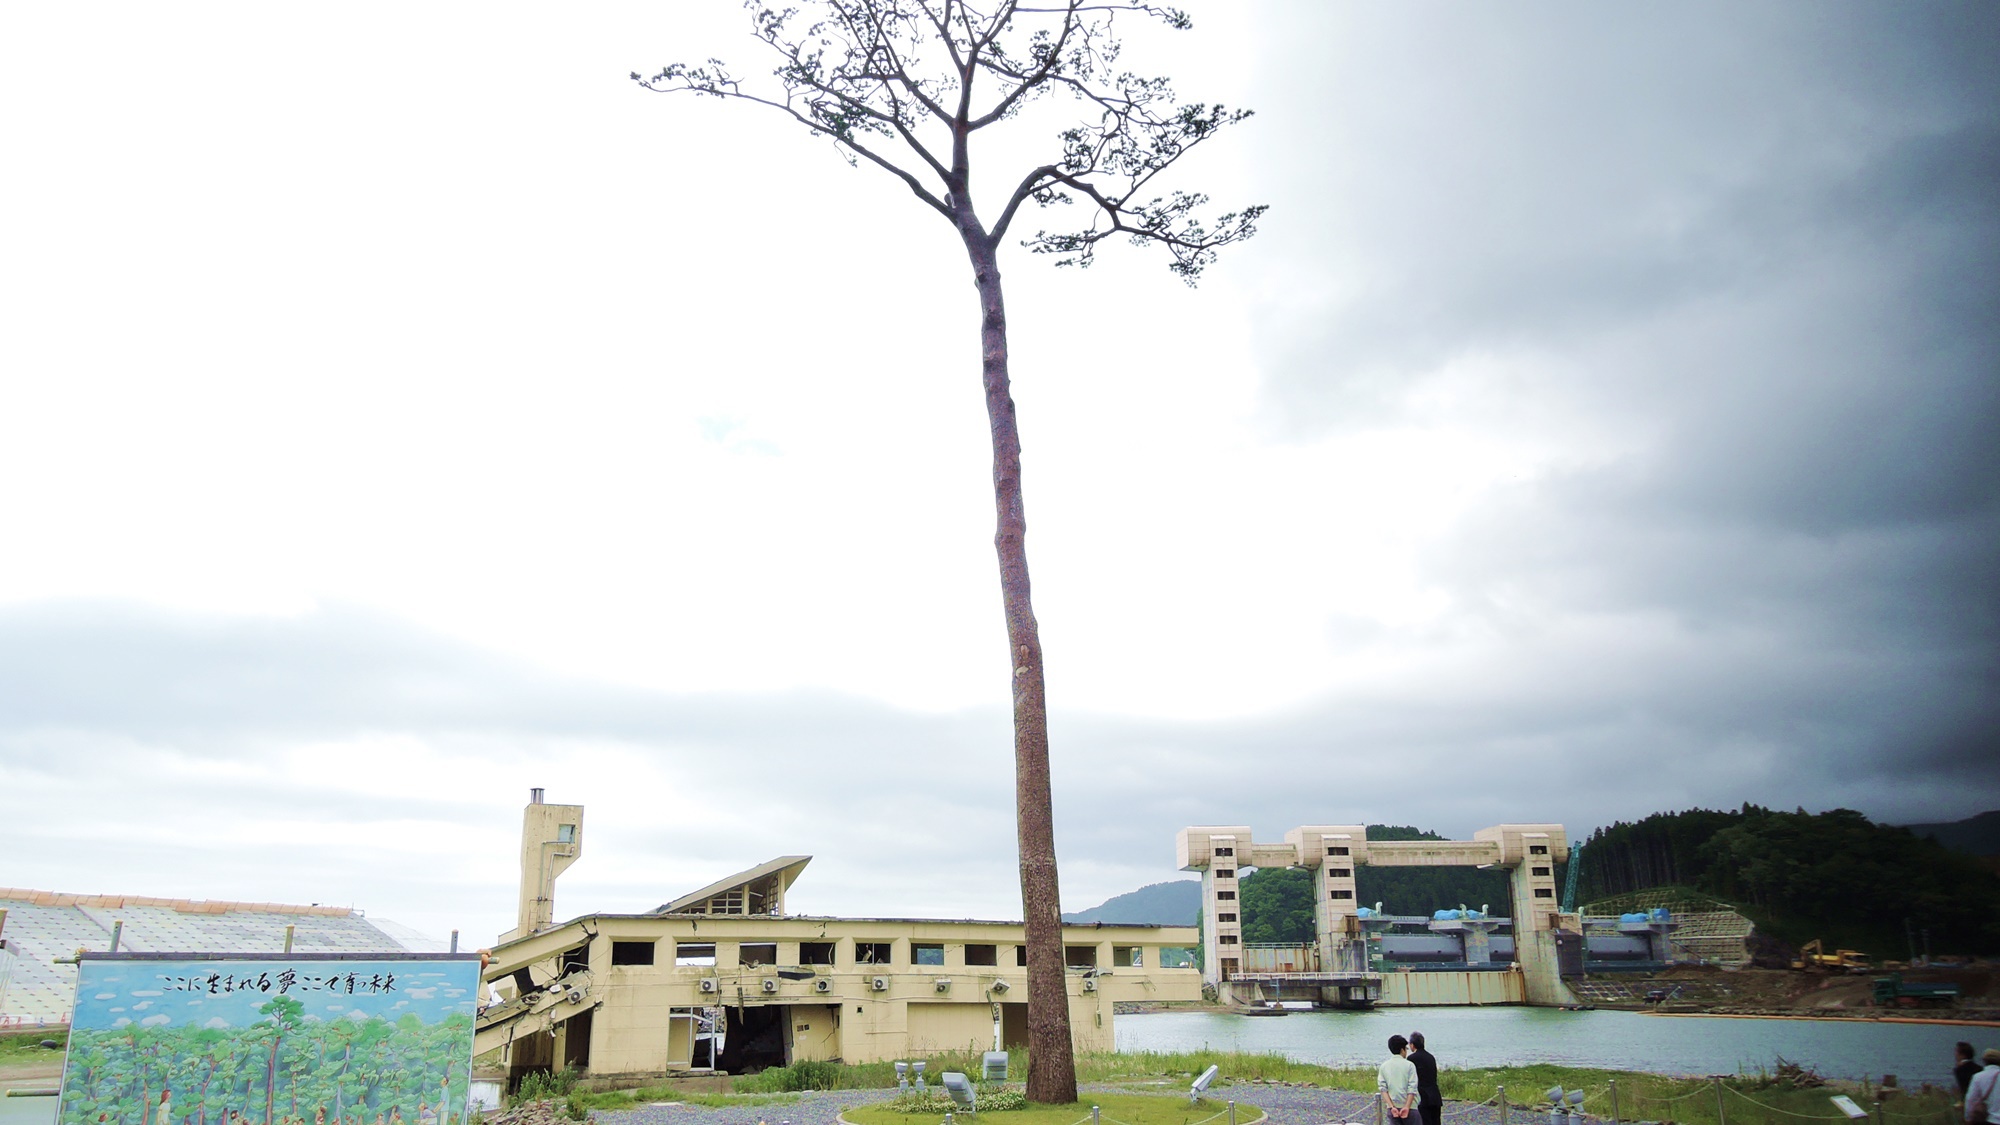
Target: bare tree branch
847 141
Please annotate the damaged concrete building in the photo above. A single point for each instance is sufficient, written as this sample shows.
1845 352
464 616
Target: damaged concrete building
724 979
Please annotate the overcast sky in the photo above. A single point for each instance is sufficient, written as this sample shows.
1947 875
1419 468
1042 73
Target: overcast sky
400 409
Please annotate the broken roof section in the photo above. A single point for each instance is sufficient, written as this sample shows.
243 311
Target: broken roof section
41 926
760 890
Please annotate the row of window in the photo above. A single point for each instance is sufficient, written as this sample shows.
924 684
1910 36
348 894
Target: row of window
1335 849
1331 849
756 954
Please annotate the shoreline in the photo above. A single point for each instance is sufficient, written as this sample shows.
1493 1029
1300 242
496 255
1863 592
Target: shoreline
1976 1018
1854 1017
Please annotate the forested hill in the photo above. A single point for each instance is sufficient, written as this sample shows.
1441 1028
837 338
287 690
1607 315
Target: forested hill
1836 876
1976 835
1158 904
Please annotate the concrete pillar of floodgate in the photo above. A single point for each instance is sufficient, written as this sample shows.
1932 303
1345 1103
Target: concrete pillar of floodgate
1478 943
1530 851
551 840
1213 851
1332 851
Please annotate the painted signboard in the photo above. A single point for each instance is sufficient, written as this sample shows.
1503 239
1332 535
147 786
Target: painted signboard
308 1039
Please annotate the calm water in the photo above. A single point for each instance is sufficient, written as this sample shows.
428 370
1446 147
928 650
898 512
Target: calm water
1487 1037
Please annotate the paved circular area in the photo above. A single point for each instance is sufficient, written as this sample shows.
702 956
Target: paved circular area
1287 1105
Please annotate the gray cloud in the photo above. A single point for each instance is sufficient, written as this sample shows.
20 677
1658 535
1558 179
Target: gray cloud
112 713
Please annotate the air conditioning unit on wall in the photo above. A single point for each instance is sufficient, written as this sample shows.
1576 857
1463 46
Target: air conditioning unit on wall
943 984
822 985
708 984
879 984
770 986
1090 984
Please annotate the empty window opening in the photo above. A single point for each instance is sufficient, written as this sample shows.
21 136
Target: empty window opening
632 952
1538 849
815 953
1542 871
1225 939
1225 851
565 833
1340 873
1080 956
1128 957
1226 873
982 955
1021 956
692 953
871 952
1545 892
753 953
926 953
1176 957
1225 917
1339 892
1335 849
1225 895
572 960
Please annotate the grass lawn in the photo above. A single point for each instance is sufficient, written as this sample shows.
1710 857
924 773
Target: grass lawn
25 1046
1114 1109
1745 1099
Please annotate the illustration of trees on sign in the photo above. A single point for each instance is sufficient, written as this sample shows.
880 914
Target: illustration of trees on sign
279 1070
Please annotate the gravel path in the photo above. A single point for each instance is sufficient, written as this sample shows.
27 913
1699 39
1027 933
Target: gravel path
1312 1105
1287 1105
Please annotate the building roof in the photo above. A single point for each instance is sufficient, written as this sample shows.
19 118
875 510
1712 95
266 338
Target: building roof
43 925
759 890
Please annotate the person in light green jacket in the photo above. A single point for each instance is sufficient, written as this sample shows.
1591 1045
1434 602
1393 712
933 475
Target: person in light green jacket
1396 1080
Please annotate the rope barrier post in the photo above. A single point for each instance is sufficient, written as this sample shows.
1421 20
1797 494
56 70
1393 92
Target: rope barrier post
1722 1118
1379 1097
1614 1099
1501 1094
1232 1113
1093 1116
1878 1109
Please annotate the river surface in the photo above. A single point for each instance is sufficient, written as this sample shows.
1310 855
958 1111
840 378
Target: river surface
1470 1038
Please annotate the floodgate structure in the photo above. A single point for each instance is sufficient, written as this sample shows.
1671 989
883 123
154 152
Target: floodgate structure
1362 956
723 979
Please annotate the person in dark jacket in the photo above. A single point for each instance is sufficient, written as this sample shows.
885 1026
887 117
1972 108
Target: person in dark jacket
1965 1069
1430 1101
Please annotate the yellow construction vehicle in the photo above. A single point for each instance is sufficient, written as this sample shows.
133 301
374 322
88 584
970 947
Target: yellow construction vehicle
1814 958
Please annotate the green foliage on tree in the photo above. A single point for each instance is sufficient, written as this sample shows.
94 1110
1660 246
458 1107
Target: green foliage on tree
1420 890
1277 905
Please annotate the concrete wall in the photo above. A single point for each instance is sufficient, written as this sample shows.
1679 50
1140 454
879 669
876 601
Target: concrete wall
815 1032
1452 988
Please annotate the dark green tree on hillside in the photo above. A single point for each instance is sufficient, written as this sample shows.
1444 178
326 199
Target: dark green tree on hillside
1277 905
1420 890
905 85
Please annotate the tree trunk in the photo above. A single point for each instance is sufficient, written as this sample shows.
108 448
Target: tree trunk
1051 1060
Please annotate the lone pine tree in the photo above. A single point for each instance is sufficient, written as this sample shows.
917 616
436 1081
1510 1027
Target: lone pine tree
904 85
